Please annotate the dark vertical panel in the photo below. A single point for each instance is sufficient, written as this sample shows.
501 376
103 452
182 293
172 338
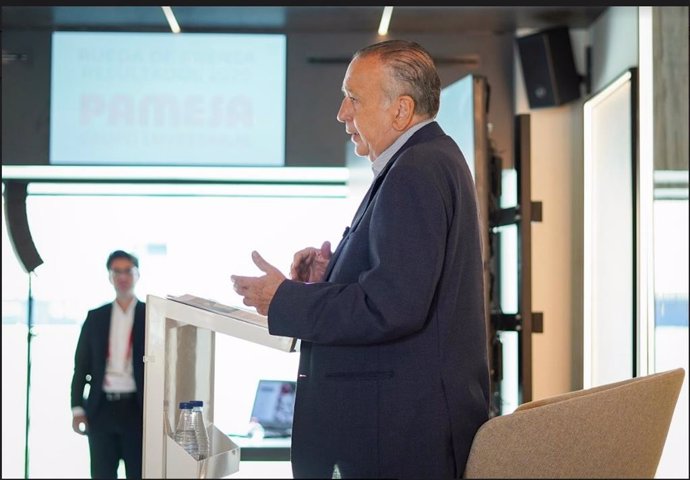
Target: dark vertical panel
522 166
26 98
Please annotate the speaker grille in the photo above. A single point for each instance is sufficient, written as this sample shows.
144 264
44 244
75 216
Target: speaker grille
548 68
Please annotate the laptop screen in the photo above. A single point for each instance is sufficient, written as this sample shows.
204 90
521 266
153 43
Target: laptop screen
274 404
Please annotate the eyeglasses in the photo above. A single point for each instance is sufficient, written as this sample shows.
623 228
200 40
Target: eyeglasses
129 272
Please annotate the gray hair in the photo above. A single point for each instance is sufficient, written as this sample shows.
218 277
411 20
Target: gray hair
413 70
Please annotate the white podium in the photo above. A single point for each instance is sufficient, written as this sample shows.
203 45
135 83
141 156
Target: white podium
179 366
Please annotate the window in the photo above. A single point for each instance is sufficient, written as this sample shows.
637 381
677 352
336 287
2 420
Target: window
185 244
670 331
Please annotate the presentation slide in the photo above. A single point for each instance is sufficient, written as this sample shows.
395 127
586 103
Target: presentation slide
167 99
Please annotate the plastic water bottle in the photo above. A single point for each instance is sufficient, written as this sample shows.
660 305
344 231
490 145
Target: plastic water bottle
200 428
185 435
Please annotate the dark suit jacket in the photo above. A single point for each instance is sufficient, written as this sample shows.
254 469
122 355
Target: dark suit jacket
393 377
91 352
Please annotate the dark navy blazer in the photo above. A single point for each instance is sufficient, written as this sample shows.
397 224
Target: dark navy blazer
393 377
90 356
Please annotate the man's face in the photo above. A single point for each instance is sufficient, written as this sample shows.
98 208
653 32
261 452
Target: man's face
366 110
123 276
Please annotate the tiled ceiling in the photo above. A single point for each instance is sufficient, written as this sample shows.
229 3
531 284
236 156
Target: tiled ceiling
297 19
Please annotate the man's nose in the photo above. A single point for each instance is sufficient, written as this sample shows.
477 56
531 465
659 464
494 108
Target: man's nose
343 111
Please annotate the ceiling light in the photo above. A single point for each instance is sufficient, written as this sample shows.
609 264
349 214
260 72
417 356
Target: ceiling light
385 20
170 17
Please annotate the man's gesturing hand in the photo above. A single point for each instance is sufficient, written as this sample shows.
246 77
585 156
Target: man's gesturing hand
259 291
309 264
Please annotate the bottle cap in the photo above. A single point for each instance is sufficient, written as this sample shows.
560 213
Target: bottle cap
185 405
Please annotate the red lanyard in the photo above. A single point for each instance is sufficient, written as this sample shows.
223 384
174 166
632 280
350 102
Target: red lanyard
128 353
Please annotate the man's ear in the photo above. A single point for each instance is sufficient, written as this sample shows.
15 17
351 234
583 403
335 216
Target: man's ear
404 112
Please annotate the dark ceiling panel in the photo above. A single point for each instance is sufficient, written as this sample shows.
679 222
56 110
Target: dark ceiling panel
334 19
27 17
270 18
109 16
299 19
494 19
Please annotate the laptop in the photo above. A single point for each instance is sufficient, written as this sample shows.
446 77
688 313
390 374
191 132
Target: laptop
273 407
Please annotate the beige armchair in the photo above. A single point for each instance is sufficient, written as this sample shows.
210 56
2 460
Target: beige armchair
611 431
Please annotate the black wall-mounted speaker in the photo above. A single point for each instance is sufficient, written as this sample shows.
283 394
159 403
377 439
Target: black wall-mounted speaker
548 67
18 225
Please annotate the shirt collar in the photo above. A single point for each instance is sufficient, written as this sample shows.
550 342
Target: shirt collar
382 160
130 307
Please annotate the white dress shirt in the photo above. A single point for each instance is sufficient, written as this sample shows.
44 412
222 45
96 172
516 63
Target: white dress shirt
119 374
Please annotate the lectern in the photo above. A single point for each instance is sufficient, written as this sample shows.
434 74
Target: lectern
179 366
